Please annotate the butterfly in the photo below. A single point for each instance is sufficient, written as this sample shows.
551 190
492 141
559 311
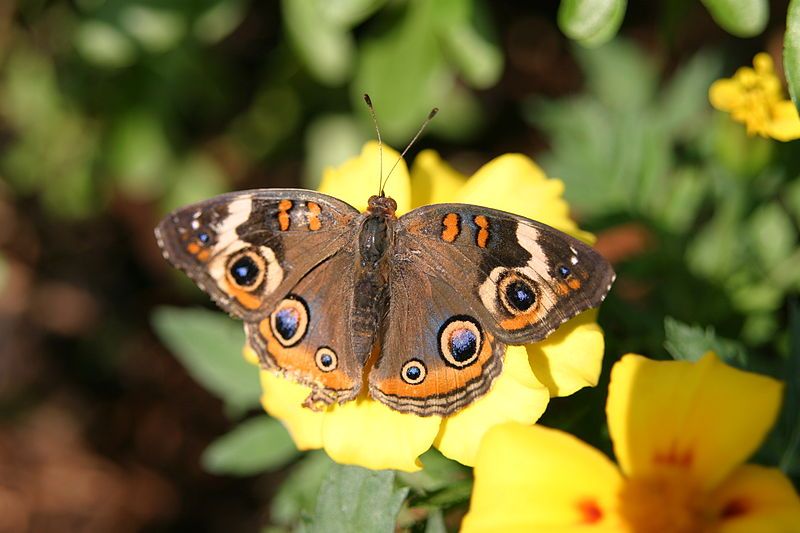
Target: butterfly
417 309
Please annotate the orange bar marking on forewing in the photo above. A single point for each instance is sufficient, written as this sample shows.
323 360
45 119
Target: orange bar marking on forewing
483 233
451 229
314 210
283 214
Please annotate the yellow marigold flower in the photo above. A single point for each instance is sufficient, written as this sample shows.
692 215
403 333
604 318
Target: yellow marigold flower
755 97
681 432
367 433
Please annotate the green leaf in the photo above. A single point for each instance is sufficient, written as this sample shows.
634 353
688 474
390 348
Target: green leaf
743 18
209 344
791 51
357 499
348 13
790 418
466 45
157 30
792 198
195 178
689 343
620 74
591 22
297 495
684 102
435 523
138 154
771 233
219 21
326 48
254 446
716 250
411 46
104 45
330 141
438 473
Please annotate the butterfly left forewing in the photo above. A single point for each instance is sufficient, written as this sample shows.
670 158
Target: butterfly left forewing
245 248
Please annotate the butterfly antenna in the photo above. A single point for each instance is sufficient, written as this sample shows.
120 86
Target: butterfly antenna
410 144
368 101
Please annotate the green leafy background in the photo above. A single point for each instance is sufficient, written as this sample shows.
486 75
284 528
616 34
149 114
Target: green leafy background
112 112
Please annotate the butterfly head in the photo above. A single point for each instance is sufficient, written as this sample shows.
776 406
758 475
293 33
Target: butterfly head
381 205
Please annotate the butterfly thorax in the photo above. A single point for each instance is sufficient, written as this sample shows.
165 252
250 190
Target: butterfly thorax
376 231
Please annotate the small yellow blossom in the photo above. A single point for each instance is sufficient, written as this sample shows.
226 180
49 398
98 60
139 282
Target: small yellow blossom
681 432
367 433
755 97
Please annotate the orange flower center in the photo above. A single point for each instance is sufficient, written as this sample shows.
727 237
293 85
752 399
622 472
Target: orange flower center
669 502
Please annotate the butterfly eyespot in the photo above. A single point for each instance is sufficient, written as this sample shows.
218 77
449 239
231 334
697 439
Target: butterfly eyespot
203 237
517 293
289 321
564 271
460 340
326 359
414 372
246 270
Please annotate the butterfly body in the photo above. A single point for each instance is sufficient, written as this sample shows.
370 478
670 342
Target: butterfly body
414 311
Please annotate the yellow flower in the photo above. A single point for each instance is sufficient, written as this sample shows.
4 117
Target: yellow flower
681 432
366 432
754 96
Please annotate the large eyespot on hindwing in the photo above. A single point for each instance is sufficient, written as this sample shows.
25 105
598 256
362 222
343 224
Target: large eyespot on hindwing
289 321
414 372
326 359
460 341
518 293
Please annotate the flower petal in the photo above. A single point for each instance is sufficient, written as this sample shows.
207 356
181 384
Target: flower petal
433 181
250 355
756 499
514 183
365 432
706 417
572 357
357 178
283 399
532 478
516 395
726 94
785 123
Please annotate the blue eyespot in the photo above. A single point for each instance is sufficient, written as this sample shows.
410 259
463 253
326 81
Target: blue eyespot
287 321
413 372
203 237
564 271
326 359
463 344
244 271
520 295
